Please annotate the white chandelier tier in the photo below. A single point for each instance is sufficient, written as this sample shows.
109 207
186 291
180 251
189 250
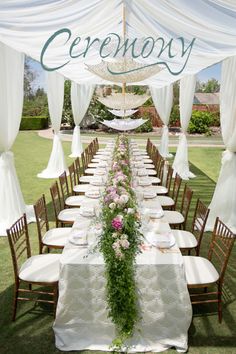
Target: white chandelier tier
123 102
124 124
123 70
122 112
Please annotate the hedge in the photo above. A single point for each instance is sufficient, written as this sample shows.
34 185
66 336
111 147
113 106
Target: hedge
34 123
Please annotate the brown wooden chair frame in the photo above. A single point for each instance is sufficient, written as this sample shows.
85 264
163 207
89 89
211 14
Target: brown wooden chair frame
18 238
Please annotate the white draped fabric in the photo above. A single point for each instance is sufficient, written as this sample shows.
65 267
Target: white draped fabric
223 203
81 96
27 28
55 92
12 204
187 89
163 100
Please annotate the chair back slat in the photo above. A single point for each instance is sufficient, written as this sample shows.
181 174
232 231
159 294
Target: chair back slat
65 193
56 199
41 215
221 246
176 188
199 222
78 169
186 201
18 238
72 177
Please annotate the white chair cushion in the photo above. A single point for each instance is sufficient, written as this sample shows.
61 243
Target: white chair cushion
86 179
82 188
75 200
199 270
173 217
160 189
155 180
151 172
149 165
57 236
43 268
184 239
166 201
69 215
147 160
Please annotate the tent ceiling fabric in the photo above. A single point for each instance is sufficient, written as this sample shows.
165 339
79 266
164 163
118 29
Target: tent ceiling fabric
27 26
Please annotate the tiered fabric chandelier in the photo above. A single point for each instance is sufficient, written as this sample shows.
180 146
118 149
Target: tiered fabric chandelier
123 70
123 101
122 112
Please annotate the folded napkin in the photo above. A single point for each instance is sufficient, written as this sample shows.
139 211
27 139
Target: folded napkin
97 181
149 194
165 240
78 237
99 172
87 211
144 182
153 213
92 193
142 172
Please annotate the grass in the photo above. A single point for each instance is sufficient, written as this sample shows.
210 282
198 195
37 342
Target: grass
32 332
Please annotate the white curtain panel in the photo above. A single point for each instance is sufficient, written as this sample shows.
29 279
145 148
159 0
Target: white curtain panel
12 204
187 89
163 100
223 203
55 92
81 96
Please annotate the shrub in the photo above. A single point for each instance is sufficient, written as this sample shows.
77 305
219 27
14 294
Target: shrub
175 116
34 123
200 122
215 119
145 128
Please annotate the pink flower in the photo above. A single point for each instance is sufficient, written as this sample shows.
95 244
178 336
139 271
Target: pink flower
117 223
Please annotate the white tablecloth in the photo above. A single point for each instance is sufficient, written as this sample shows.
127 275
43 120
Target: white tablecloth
82 317
81 320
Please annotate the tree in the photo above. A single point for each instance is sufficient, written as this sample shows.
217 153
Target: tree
211 86
67 115
176 93
29 77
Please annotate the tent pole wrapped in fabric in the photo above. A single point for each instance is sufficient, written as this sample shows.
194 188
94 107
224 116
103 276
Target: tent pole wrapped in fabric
55 92
12 204
223 203
81 96
187 89
163 100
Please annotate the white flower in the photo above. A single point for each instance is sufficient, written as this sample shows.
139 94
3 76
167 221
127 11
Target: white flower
112 206
130 211
124 198
124 243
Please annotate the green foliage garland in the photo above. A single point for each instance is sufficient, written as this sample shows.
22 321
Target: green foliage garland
119 244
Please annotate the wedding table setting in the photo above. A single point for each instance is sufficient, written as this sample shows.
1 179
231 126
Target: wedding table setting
122 281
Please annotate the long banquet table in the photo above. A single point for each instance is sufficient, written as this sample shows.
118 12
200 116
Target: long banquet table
82 316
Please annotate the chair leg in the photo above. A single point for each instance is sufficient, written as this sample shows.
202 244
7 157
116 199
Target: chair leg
219 304
15 302
55 298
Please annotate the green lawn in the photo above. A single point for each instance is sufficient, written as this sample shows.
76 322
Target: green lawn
32 331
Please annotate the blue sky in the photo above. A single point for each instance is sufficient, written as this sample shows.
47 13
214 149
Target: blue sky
204 75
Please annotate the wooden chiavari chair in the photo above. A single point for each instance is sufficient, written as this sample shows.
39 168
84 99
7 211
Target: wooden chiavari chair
62 216
188 240
69 201
170 201
40 270
48 238
179 218
204 273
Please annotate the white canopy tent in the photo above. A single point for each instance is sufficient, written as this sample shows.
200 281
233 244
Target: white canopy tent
205 40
